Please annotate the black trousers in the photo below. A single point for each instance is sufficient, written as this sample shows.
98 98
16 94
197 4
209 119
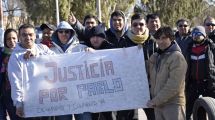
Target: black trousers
192 94
150 114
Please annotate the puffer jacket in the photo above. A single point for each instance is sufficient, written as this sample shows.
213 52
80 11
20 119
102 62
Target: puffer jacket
167 76
72 45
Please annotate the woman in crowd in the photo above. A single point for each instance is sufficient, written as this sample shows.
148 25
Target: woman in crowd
10 40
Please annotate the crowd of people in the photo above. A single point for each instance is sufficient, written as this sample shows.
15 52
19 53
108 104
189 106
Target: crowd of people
179 65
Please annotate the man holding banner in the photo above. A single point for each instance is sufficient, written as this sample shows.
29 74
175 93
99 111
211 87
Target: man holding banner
53 85
167 70
91 82
65 41
18 64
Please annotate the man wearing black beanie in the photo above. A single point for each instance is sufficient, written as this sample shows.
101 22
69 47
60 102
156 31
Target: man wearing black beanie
98 38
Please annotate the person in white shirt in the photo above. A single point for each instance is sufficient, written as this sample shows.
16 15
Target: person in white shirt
18 75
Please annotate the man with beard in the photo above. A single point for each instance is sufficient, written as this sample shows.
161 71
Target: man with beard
200 75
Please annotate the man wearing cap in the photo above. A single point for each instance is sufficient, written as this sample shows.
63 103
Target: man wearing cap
98 38
48 30
200 76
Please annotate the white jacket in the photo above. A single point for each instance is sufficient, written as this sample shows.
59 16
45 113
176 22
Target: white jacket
17 67
73 44
72 48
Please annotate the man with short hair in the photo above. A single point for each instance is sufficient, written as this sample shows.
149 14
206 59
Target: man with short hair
153 23
167 71
139 35
17 66
82 31
118 27
48 30
209 24
182 36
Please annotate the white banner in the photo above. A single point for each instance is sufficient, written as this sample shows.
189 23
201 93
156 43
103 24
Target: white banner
105 80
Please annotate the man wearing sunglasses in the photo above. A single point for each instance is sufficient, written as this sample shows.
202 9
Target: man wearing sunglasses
200 78
209 24
65 41
182 36
138 34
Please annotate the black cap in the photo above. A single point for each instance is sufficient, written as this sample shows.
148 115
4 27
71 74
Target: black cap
99 30
46 25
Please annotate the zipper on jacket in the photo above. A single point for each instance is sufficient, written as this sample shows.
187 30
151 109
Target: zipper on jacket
197 70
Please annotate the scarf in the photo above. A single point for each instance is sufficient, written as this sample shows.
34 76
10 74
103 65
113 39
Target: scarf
138 39
5 58
3 69
7 51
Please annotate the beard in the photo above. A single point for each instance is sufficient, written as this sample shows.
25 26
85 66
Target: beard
198 41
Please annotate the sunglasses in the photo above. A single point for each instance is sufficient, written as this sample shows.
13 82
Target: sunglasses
64 31
182 25
90 22
136 24
209 24
197 34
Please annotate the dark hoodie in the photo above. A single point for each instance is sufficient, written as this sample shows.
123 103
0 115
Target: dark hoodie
167 76
167 52
204 74
183 42
111 33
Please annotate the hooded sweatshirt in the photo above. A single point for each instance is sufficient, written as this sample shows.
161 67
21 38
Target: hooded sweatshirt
111 32
72 45
167 76
17 70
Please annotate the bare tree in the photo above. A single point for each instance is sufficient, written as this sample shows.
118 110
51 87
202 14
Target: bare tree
12 8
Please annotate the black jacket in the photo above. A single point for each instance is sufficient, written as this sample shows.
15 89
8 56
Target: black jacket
183 42
111 37
149 46
209 81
